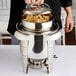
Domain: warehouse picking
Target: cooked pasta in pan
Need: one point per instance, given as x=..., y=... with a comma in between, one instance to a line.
x=40, y=18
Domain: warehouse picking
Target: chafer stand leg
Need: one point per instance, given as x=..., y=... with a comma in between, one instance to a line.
x=50, y=56
x=24, y=49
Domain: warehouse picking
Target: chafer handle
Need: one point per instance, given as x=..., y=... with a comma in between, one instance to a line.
x=44, y=5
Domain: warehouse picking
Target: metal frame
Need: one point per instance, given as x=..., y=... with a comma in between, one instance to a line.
x=63, y=17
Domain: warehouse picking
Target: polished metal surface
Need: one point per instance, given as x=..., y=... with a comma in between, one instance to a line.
x=37, y=48
x=45, y=26
x=45, y=9
x=38, y=26
x=27, y=31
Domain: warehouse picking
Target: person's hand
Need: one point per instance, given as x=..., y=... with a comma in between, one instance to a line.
x=27, y=1
x=35, y=2
x=69, y=19
x=69, y=23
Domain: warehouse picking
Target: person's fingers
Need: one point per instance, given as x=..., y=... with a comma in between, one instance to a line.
x=69, y=27
x=38, y=2
x=27, y=1
x=33, y=1
x=42, y=1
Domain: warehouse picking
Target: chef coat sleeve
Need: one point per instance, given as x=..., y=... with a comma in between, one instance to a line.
x=66, y=3
x=15, y=14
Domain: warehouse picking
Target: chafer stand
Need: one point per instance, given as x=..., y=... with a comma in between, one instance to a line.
x=34, y=59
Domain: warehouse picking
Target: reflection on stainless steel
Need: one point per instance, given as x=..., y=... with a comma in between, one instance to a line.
x=38, y=19
x=27, y=31
x=37, y=48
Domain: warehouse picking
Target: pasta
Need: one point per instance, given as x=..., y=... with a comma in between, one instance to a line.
x=40, y=18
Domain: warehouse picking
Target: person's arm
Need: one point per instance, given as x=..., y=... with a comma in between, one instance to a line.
x=15, y=15
x=66, y=4
x=69, y=19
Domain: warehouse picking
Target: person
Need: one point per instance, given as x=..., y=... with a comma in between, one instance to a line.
x=18, y=5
